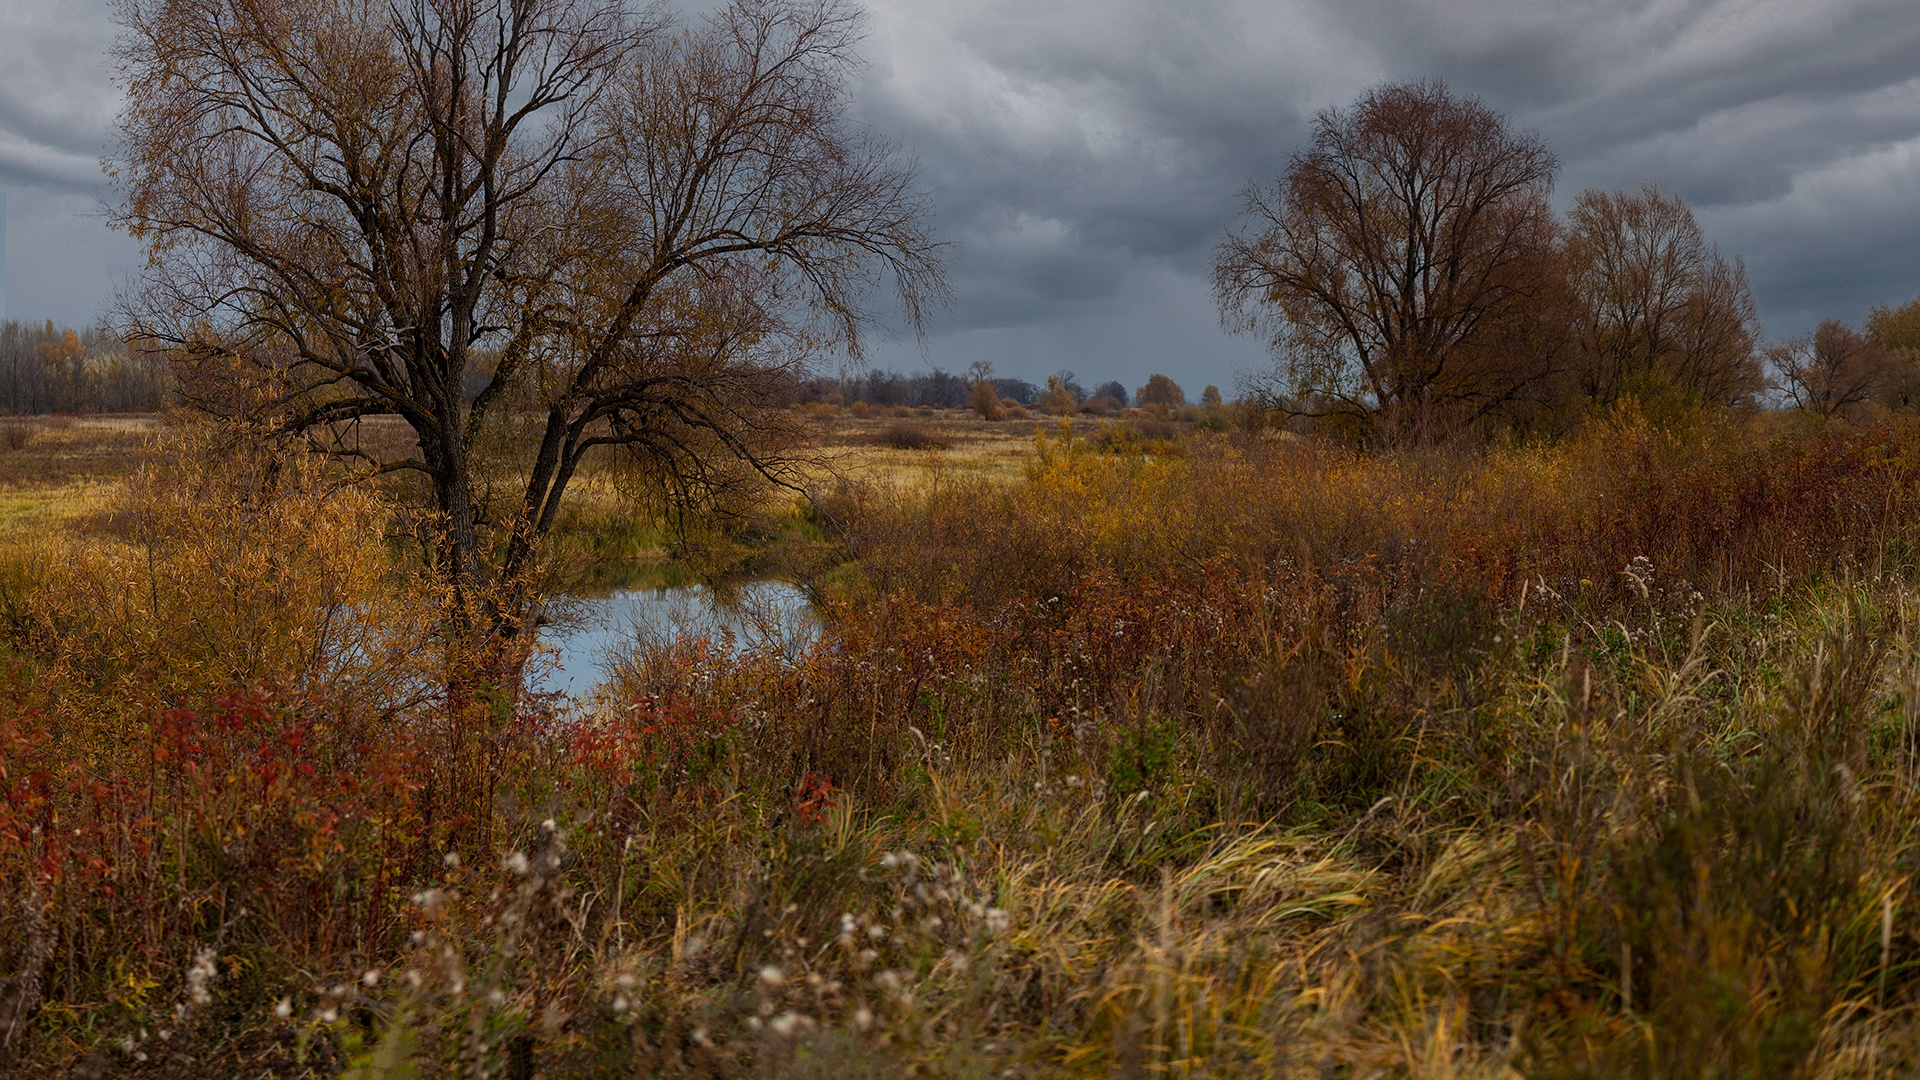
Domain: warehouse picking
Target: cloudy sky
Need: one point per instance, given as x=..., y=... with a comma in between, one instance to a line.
x=1085, y=154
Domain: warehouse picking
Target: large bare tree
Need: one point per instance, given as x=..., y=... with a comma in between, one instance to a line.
x=1405, y=235
x=1653, y=299
x=557, y=228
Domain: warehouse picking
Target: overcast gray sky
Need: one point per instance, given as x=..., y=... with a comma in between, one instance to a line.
x=1085, y=154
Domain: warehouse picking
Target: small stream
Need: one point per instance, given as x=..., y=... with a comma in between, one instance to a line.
x=756, y=614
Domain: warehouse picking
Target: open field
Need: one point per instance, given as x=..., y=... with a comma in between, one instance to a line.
x=1244, y=756
x=65, y=469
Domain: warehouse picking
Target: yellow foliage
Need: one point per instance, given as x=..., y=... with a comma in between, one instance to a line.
x=223, y=568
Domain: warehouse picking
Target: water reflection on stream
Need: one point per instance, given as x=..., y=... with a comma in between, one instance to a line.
x=756, y=613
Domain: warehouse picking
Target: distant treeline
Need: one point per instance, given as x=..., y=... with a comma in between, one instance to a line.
x=45, y=368
x=940, y=389
x=943, y=390
x=50, y=369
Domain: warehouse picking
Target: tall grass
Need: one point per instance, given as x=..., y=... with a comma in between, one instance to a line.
x=1261, y=758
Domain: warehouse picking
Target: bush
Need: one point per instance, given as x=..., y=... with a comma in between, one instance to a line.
x=16, y=434
x=912, y=436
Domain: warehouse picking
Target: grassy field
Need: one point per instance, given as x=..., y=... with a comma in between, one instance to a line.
x=66, y=474
x=56, y=473
x=1130, y=749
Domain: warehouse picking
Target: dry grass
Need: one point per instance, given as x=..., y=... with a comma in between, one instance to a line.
x=856, y=449
x=1257, y=758
x=67, y=475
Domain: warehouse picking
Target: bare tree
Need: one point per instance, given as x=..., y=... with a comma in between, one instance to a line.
x=1414, y=226
x=1832, y=369
x=1653, y=299
x=557, y=228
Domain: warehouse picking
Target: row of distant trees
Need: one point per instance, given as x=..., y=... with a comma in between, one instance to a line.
x=1063, y=392
x=1831, y=370
x=1409, y=273
x=49, y=369
x=46, y=368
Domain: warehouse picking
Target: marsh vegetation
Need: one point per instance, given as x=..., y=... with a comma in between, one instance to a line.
x=1261, y=755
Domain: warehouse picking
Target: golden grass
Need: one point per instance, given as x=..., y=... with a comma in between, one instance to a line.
x=68, y=474
x=981, y=449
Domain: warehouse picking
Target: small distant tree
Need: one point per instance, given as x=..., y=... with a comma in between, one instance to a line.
x=982, y=396
x=1410, y=231
x=1897, y=330
x=1071, y=383
x=1895, y=327
x=1832, y=369
x=1653, y=300
x=1113, y=390
x=1210, y=396
x=1161, y=392
x=1062, y=394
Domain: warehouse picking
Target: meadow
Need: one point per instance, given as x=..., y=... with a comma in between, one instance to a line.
x=1131, y=747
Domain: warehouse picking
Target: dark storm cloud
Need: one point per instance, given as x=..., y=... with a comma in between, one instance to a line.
x=1086, y=154
x=1112, y=137
x=57, y=103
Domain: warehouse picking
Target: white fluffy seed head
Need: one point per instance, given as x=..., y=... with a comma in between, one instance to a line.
x=787, y=1023
x=199, y=975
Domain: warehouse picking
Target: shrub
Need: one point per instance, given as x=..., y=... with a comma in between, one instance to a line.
x=232, y=567
x=912, y=436
x=16, y=433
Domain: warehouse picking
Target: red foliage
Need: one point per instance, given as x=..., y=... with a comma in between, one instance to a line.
x=245, y=809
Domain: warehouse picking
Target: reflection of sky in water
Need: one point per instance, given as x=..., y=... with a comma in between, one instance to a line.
x=575, y=654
